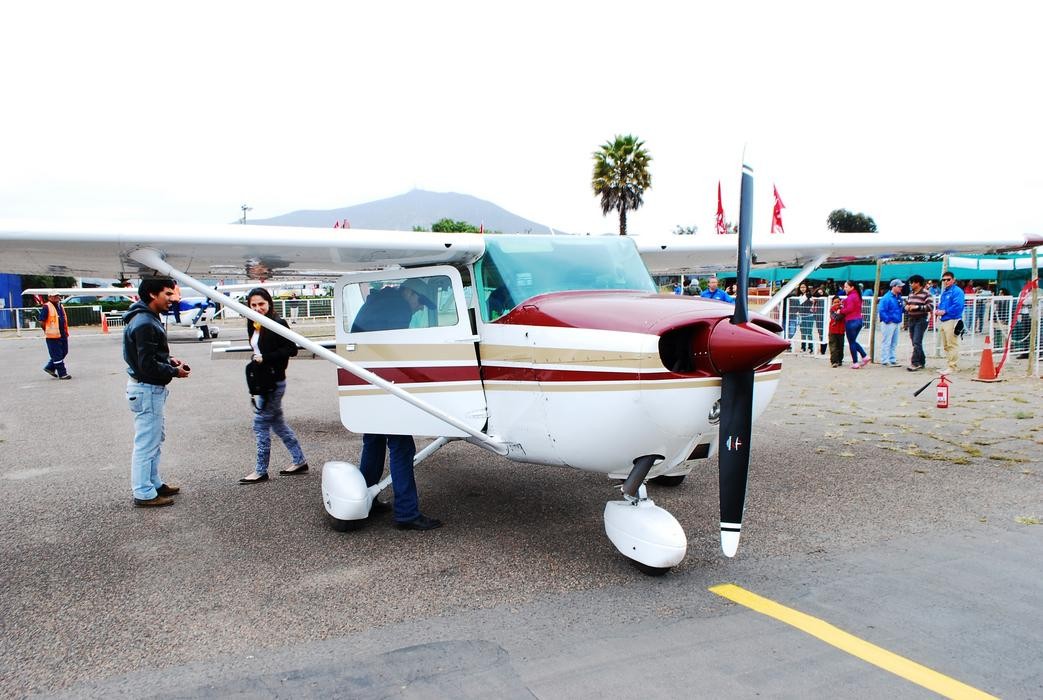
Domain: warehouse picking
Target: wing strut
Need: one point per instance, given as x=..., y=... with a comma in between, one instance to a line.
x=153, y=259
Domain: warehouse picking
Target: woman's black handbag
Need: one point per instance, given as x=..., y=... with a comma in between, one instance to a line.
x=260, y=378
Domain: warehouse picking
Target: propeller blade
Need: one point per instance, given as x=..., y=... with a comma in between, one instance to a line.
x=737, y=390
x=734, y=453
x=742, y=273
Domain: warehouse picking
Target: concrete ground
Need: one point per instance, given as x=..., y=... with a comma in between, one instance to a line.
x=914, y=528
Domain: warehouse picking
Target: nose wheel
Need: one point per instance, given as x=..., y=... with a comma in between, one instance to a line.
x=644, y=533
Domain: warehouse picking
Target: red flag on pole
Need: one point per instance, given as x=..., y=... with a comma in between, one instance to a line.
x=721, y=228
x=336, y=225
x=481, y=227
x=776, y=215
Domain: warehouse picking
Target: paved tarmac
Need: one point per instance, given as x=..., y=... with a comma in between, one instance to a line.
x=907, y=526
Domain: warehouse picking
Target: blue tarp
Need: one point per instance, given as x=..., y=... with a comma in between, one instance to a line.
x=10, y=298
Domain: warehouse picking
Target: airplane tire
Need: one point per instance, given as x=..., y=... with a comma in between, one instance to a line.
x=345, y=525
x=670, y=481
x=651, y=570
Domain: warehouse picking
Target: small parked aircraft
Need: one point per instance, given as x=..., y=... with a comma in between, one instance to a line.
x=552, y=350
x=195, y=312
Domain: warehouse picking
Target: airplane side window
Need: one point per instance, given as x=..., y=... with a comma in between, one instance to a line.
x=395, y=304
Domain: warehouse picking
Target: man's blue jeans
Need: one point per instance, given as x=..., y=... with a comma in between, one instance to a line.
x=889, y=342
x=146, y=402
x=402, y=449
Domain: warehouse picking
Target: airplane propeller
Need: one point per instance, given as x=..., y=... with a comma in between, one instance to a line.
x=737, y=390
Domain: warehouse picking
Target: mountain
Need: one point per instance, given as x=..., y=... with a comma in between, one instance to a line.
x=414, y=208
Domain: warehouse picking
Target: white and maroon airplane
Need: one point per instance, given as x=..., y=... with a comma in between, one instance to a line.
x=553, y=350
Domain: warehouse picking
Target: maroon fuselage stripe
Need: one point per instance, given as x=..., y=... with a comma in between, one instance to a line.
x=413, y=375
x=426, y=375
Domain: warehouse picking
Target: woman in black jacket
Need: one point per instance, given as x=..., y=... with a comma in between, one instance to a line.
x=271, y=354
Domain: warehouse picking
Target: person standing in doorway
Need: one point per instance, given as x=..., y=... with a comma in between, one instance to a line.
x=56, y=334
x=392, y=308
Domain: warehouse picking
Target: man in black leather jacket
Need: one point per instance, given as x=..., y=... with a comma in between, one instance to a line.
x=151, y=368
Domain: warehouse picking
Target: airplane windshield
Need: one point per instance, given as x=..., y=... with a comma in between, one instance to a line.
x=516, y=268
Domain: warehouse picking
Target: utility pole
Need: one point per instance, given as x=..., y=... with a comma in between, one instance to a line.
x=245, y=209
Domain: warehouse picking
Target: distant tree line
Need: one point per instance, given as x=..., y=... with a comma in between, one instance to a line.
x=447, y=225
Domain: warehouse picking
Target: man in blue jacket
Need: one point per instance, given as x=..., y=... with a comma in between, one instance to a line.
x=890, y=313
x=714, y=292
x=949, y=313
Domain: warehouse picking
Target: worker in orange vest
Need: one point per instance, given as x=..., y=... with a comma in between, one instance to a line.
x=56, y=333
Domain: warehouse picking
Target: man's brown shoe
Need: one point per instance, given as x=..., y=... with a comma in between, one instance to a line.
x=168, y=490
x=153, y=502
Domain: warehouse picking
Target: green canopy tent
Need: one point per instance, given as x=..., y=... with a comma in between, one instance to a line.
x=1010, y=272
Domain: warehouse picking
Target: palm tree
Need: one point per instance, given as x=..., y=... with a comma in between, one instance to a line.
x=621, y=176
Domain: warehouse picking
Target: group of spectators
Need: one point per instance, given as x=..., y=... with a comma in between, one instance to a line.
x=805, y=311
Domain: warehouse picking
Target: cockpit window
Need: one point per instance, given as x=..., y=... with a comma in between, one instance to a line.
x=516, y=268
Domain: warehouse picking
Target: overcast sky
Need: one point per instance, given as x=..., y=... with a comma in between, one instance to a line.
x=916, y=113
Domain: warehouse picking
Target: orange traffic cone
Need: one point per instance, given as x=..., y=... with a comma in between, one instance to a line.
x=986, y=370
x=104, y=323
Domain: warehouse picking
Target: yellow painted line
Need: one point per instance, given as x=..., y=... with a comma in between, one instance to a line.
x=898, y=665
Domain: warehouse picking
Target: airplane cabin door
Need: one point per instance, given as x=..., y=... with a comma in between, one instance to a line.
x=410, y=327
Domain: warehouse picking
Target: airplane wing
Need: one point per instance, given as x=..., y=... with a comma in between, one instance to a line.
x=85, y=249
x=88, y=249
x=704, y=254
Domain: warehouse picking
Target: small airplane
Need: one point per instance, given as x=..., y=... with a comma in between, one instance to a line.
x=197, y=312
x=551, y=350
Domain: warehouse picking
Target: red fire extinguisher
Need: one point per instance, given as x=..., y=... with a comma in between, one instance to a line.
x=943, y=392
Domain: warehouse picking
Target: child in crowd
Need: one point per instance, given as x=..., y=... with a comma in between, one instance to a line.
x=836, y=333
